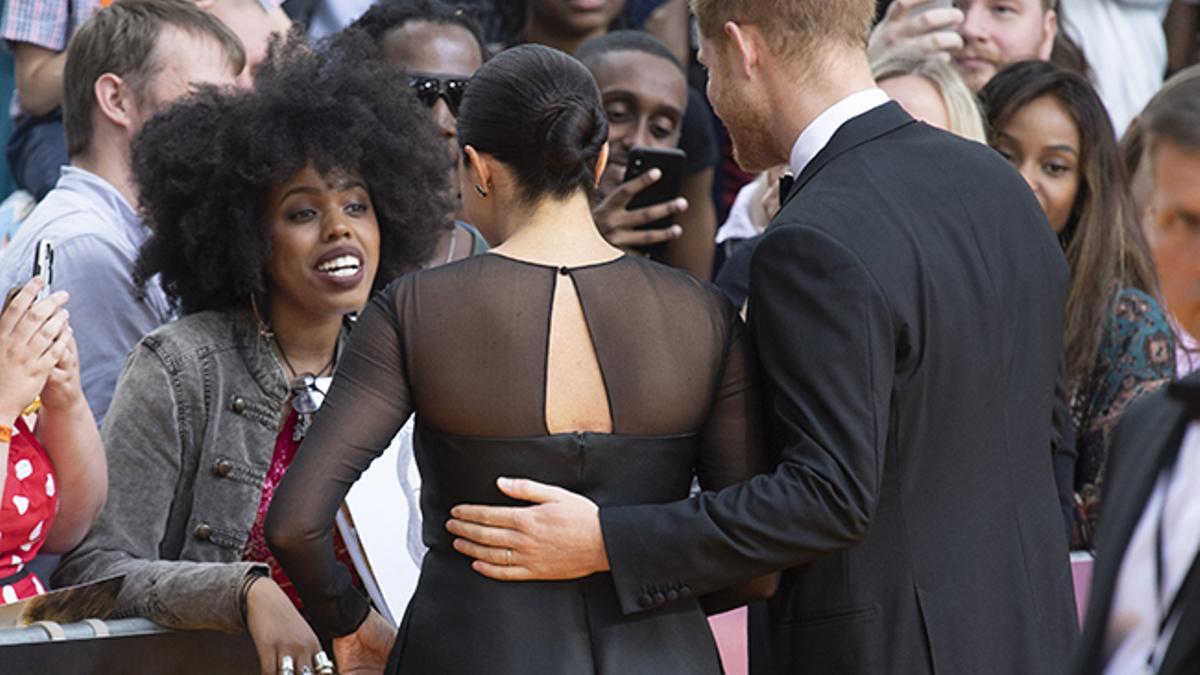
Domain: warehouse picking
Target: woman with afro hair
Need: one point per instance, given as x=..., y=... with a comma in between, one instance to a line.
x=275, y=215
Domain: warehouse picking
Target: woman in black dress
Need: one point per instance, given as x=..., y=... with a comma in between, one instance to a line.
x=555, y=357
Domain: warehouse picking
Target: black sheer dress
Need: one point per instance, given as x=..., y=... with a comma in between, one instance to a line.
x=466, y=348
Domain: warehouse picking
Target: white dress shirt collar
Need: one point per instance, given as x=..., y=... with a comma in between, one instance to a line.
x=817, y=135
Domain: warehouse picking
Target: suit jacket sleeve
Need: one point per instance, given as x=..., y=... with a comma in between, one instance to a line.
x=826, y=340
x=1062, y=447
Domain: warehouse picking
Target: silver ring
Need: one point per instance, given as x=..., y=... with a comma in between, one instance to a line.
x=322, y=663
x=508, y=556
x=305, y=670
x=287, y=665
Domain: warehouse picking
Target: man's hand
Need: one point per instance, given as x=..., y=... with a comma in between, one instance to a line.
x=618, y=225
x=909, y=25
x=557, y=538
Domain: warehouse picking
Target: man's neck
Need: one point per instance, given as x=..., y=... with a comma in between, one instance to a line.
x=836, y=81
x=111, y=164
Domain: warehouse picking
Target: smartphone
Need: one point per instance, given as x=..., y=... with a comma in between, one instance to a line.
x=931, y=5
x=670, y=161
x=43, y=265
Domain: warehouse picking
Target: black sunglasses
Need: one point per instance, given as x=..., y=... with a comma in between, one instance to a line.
x=429, y=88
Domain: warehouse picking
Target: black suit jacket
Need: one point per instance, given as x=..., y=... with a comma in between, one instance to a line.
x=1147, y=439
x=907, y=305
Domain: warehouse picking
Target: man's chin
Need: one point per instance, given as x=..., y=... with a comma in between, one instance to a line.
x=752, y=159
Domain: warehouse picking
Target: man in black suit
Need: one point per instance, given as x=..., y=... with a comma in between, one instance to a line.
x=907, y=305
x=1144, y=609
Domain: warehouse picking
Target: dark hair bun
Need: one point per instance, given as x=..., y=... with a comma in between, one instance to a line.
x=538, y=111
x=573, y=136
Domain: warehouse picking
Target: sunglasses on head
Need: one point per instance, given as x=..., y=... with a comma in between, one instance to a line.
x=429, y=88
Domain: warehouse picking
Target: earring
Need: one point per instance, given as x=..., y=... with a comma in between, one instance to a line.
x=481, y=191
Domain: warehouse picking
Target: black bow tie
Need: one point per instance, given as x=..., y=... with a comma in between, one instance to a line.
x=1187, y=391
x=785, y=186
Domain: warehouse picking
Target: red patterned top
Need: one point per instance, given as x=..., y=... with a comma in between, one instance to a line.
x=30, y=502
x=256, y=546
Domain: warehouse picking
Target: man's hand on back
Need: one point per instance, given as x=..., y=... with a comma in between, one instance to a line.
x=557, y=538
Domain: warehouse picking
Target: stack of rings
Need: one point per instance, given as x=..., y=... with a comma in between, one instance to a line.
x=321, y=661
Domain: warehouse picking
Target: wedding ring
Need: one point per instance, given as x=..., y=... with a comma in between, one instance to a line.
x=287, y=665
x=322, y=663
x=508, y=557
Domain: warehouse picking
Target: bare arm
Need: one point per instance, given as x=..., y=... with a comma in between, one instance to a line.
x=39, y=74
x=30, y=345
x=68, y=431
x=693, y=250
x=671, y=23
x=1180, y=28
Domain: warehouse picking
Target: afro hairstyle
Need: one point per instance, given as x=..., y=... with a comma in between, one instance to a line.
x=206, y=165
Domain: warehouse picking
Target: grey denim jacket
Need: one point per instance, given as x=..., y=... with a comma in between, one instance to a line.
x=190, y=437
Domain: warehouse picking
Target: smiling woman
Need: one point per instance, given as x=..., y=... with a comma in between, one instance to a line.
x=275, y=214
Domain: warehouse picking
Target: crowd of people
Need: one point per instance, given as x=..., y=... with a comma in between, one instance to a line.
x=915, y=324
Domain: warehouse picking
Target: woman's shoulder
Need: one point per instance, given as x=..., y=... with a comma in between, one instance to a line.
x=200, y=332
x=686, y=287
x=1134, y=307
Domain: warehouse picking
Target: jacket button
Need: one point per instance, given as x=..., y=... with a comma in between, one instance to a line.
x=203, y=532
x=684, y=591
x=238, y=405
x=672, y=595
x=659, y=599
x=222, y=467
x=645, y=600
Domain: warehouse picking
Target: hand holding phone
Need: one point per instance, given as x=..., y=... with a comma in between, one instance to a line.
x=924, y=26
x=637, y=215
x=34, y=338
x=43, y=265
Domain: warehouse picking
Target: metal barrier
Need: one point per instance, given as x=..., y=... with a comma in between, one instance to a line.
x=123, y=647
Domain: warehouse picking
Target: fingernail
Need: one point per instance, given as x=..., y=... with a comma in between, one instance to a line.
x=681, y=204
x=655, y=173
x=503, y=483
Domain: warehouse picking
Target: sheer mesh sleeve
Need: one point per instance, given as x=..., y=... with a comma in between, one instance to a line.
x=731, y=445
x=367, y=404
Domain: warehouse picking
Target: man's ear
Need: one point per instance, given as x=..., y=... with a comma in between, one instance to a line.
x=114, y=100
x=746, y=42
x=1049, y=32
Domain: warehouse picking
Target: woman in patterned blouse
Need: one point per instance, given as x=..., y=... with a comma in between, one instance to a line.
x=1053, y=127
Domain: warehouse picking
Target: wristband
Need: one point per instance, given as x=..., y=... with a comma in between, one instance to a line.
x=33, y=407
x=6, y=433
x=244, y=592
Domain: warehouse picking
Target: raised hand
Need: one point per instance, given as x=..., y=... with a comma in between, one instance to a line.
x=34, y=336
x=618, y=225
x=911, y=25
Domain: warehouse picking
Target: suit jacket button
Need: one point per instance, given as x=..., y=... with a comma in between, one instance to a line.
x=684, y=591
x=645, y=600
x=659, y=599
x=222, y=467
x=203, y=532
x=672, y=595
x=238, y=405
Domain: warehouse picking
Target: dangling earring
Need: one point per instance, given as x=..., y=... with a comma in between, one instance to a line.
x=263, y=329
x=481, y=191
